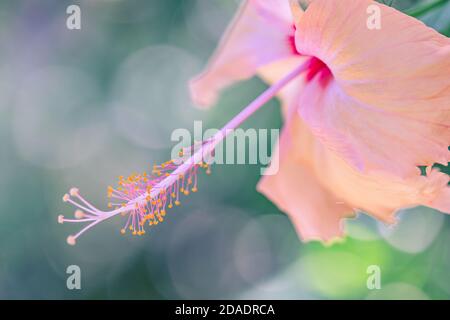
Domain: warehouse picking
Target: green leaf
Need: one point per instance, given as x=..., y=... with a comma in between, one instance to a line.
x=423, y=9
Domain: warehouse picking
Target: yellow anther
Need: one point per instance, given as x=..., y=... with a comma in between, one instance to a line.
x=170, y=206
x=109, y=205
x=186, y=192
x=163, y=212
x=194, y=189
x=122, y=231
x=177, y=203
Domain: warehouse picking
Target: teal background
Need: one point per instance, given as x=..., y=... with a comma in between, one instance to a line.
x=79, y=108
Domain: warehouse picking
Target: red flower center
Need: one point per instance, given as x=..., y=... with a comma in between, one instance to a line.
x=316, y=68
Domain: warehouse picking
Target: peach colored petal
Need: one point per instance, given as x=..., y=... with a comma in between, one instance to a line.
x=317, y=189
x=379, y=194
x=315, y=212
x=382, y=196
x=259, y=35
x=442, y=201
x=369, y=138
x=388, y=106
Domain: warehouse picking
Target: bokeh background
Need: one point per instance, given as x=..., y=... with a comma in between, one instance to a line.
x=80, y=107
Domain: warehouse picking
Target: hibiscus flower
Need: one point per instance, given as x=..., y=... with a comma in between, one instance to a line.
x=364, y=108
x=369, y=107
